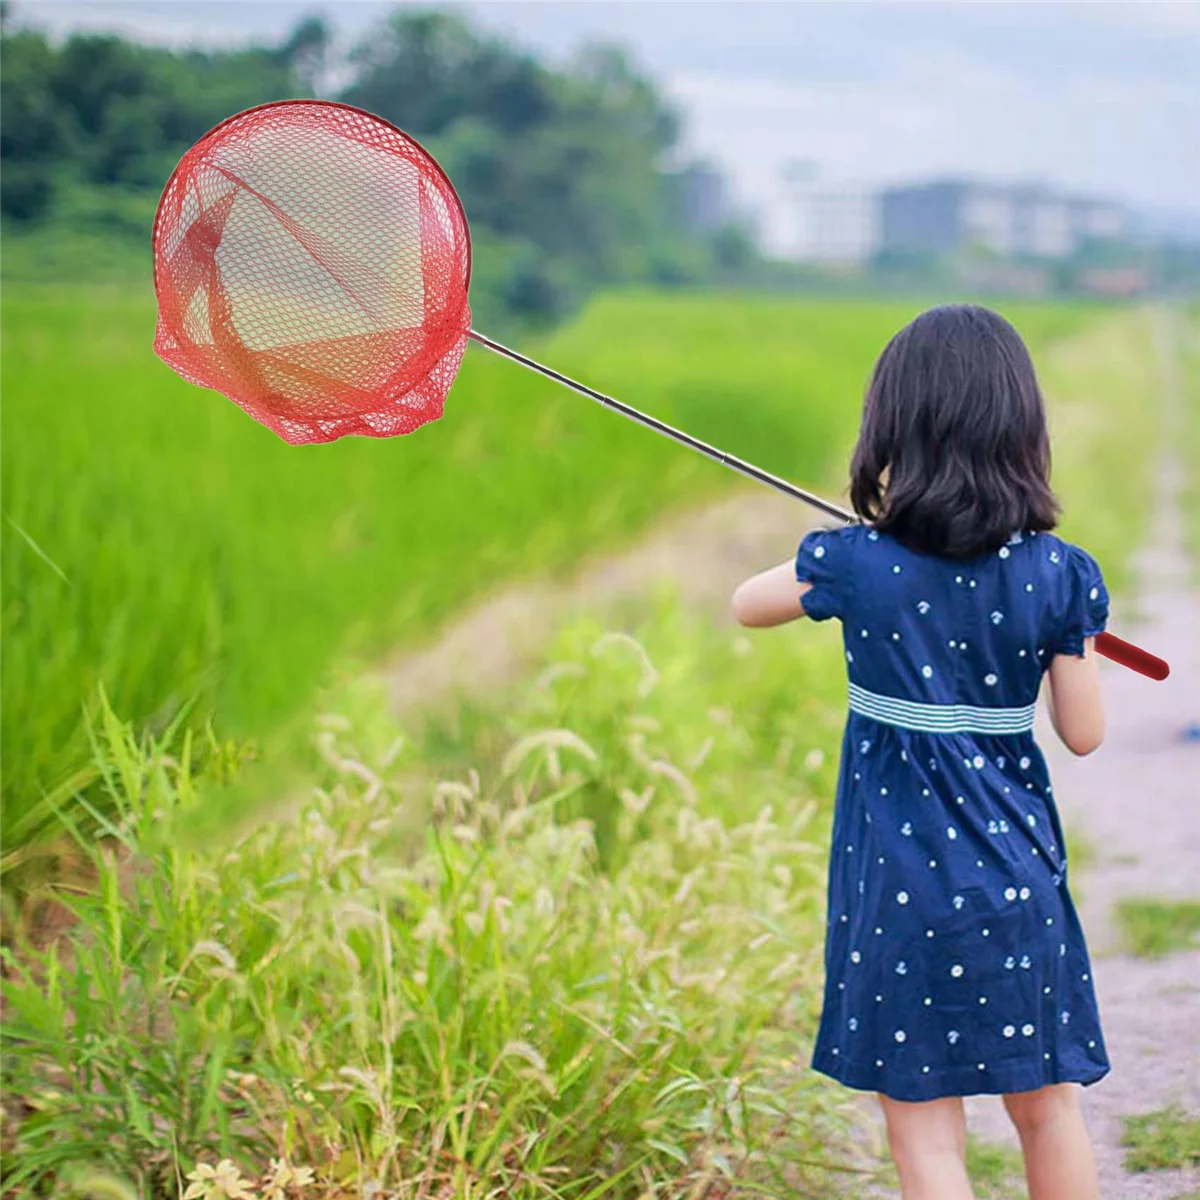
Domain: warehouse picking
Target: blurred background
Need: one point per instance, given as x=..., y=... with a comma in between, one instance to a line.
x=718, y=213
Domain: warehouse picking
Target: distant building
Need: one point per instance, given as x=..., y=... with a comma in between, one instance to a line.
x=1026, y=220
x=703, y=198
x=826, y=221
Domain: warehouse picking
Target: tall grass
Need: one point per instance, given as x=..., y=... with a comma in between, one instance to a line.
x=158, y=542
x=588, y=966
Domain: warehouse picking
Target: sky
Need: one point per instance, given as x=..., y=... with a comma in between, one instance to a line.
x=1098, y=98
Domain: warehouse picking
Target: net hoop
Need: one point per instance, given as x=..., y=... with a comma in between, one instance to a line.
x=442, y=336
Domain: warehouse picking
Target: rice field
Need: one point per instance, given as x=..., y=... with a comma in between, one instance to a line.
x=159, y=543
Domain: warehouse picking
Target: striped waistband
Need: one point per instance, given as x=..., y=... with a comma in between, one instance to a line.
x=940, y=718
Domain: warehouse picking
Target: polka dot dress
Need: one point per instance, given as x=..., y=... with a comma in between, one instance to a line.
x=955, y=962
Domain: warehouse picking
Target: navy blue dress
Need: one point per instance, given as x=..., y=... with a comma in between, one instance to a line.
x=954, y=959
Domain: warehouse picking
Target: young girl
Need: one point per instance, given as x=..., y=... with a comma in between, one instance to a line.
x=955, y=962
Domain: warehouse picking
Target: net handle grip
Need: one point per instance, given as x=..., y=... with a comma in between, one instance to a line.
x=1107, y=644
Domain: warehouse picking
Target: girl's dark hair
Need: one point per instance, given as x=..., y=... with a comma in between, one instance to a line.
x=955, y=420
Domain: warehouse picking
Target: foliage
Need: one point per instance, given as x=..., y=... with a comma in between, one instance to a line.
x=588, y=963
x=561, y=171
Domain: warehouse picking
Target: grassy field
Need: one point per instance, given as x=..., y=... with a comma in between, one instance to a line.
x=587, y=964
x=157, y=541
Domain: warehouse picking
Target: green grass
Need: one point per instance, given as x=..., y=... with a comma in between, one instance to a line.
x=156, y=540
x=997, y=1172
x=592, y=957
x=1155, y=928
x=1161, y=1140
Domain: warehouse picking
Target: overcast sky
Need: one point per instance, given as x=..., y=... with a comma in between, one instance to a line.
x=1099, y=98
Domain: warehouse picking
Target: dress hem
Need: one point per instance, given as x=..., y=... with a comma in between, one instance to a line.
x=1002, y=1080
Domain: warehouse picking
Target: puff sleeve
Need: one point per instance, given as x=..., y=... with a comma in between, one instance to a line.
x=823, y=561
x=1084, y=606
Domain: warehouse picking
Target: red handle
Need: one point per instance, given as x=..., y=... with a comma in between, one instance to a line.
x=1129, y=655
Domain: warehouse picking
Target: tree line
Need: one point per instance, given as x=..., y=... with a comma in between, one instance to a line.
x=561, y=171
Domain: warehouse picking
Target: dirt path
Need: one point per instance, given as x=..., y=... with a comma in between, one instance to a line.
x=702, y=554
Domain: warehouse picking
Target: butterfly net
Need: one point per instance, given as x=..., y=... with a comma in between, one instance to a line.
x=311, y=262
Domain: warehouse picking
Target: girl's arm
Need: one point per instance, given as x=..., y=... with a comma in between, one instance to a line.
x=1075, y=701
x=770, y=598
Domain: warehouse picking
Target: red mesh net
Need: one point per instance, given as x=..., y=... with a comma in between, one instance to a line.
x=311, y=263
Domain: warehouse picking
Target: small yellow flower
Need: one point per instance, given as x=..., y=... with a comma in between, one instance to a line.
x=213, y=1183
x=283, y=1177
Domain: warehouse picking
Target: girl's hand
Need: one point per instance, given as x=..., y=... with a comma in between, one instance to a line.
x=770, y=598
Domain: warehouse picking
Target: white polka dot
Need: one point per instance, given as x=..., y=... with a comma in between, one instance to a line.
x=878, y=930
x=982, y=999
x=1027, y=1030
x=924, y=1070
x=928, y=1001
x=864, y=633
x=958, y=579
x=1004, y=552
x=959, y=800
x=972, y=583
x=1085, y=978
x=900, y=1035
x=1054, y=556
x=923, y=607
x=878, y=999
x=1046, y=990
x=895, y=570
x=855, y=956
x=986, y=932
x=929, y=933
x=895, y=637
x=819, y=552
x=883, y=791
x=990, y=680
x=1024, y=893
x=952, y=1036
x=956, y=970
x=902, y=897
x=1010, y=893
x=849, y=656
x=933, y=862
x=1020, y=653
x=979, y=762
x=1009, y=1030
x=997, y=617
x=902, y=967
x=1029, y=587
x=952, y=643
x=981, y=1067
x=927, y=671
x=951, y=832
x=1091, y=1045
x=836, y=1051
x=852, y=1024
x=1024, y=764
x=872, y=536
x=1094, y=593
